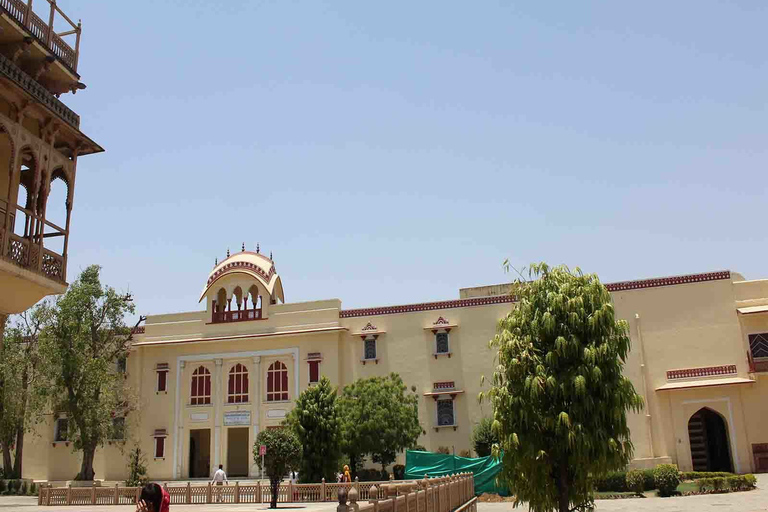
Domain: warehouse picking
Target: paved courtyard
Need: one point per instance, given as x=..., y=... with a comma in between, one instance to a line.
x=751, y=501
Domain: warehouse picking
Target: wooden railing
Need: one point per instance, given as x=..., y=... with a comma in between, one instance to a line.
x=22, y=12
x=26, y=248
x=236, y=316
x=443, y=494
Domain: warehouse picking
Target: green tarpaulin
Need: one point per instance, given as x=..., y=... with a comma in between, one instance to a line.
x=421, y=464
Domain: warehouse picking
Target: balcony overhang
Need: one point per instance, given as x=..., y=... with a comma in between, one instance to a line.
x=25, y=286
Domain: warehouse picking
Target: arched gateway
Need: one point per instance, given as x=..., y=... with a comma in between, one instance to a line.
x=708, y=435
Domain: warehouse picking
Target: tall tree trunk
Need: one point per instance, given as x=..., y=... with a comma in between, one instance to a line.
x=17, y=469
x=86, y=468
x=562, y=488
x=7, y=463
x=274, y=483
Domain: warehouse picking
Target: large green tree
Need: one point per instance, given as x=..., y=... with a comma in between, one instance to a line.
x=380, y=418
x=284, y=453
x=82, y=345
x=21, y=400
x=315, y=420
x=559, y=397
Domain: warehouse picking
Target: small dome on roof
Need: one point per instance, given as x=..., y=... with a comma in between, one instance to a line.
x=252, y=263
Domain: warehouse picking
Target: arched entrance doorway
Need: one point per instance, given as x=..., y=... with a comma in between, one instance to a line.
x=708, y=434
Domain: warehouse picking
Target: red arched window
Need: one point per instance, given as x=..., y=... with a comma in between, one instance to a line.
x=277, y=382
x=201, y=386
x=237, y=390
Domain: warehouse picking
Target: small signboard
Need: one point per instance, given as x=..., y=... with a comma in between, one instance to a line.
x=262, y=450
x=237, y=418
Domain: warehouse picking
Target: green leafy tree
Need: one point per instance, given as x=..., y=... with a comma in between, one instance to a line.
x=380, y=418
x=137, y=469
x=283, y=455
x=484, y=437
x=558, y=393
x=21, y=399
x=81, y=344
x=315, y=421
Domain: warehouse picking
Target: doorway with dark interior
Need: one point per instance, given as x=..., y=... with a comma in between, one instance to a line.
x=708, y=435
x=200, y=453
x=238, y=453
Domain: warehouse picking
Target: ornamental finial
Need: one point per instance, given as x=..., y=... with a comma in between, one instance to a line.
x=216, y=262
x=270, y=254
x=227, y=252
x=243, y=246
x=257, y=248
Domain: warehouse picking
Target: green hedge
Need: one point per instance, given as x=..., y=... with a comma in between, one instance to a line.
x=667, y=478
x=616, y=481
x=696, y=475
x=727, y=483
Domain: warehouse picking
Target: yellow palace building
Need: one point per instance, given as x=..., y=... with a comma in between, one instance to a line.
x=209, y=380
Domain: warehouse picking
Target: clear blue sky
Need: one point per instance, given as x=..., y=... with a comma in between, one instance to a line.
x=393, y=152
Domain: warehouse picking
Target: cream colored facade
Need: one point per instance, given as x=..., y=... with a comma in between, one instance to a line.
x=690, y=351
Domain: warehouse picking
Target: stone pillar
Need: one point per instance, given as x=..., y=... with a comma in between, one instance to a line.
x=218, y=419
x=255, y=409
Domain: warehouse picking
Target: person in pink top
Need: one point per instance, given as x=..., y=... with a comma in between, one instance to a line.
x=153, y=498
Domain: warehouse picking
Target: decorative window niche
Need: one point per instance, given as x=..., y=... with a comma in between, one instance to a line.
x=118, y=429
x=369, y=349
x=445, y=413
x=442, y=344
x=313, y=365
x=60, y=432
x=758, y=351
x=159, y=437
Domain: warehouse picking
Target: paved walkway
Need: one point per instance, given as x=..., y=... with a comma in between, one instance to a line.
x=751, y=501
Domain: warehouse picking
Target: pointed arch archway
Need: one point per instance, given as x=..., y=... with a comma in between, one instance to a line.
x=708, y=437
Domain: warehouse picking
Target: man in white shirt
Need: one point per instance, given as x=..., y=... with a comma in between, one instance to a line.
x=219, y=477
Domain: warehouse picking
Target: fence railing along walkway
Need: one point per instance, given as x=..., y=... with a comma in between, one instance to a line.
x=443, y=494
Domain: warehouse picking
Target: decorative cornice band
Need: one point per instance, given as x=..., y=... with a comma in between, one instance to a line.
x=668, y=281
x=501, y=299
x=706, y=371
x=427, y=306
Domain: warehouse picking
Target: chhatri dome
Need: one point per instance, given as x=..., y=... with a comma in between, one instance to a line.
x=241, y=287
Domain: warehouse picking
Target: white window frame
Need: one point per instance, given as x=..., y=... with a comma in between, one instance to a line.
x=166, y=371
x=448, y=339
x=371, y=337
x=154, y=447
x=437, y=412
x=310, y=362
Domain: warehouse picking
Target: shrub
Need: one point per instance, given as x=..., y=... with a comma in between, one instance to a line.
x=372, y=475
x=484, y=437
x=23, y=488
x=444, y=450
x=32, y=489
x=727, y=483
x=696, y=475
x=399, y=471
x=667, y=478
x=465, y=453
x=13, y=487
x=2, y=486
x=419, y=448
x=615, y=481
x=636, y=481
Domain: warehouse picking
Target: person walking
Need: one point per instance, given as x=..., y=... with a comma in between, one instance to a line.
x=219, y=477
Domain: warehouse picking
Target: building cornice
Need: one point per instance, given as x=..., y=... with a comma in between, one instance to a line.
x=234, y=337
x=502, y=299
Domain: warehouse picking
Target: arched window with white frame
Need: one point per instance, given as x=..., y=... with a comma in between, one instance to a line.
x=201, y=386
x=237, y=388
x=277, y=382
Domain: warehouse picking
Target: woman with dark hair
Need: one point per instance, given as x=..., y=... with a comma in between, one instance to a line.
x=153, y=499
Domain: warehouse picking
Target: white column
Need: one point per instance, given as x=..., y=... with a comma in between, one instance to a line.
x=217, y=414
x=178, y=451
x=255, y=410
